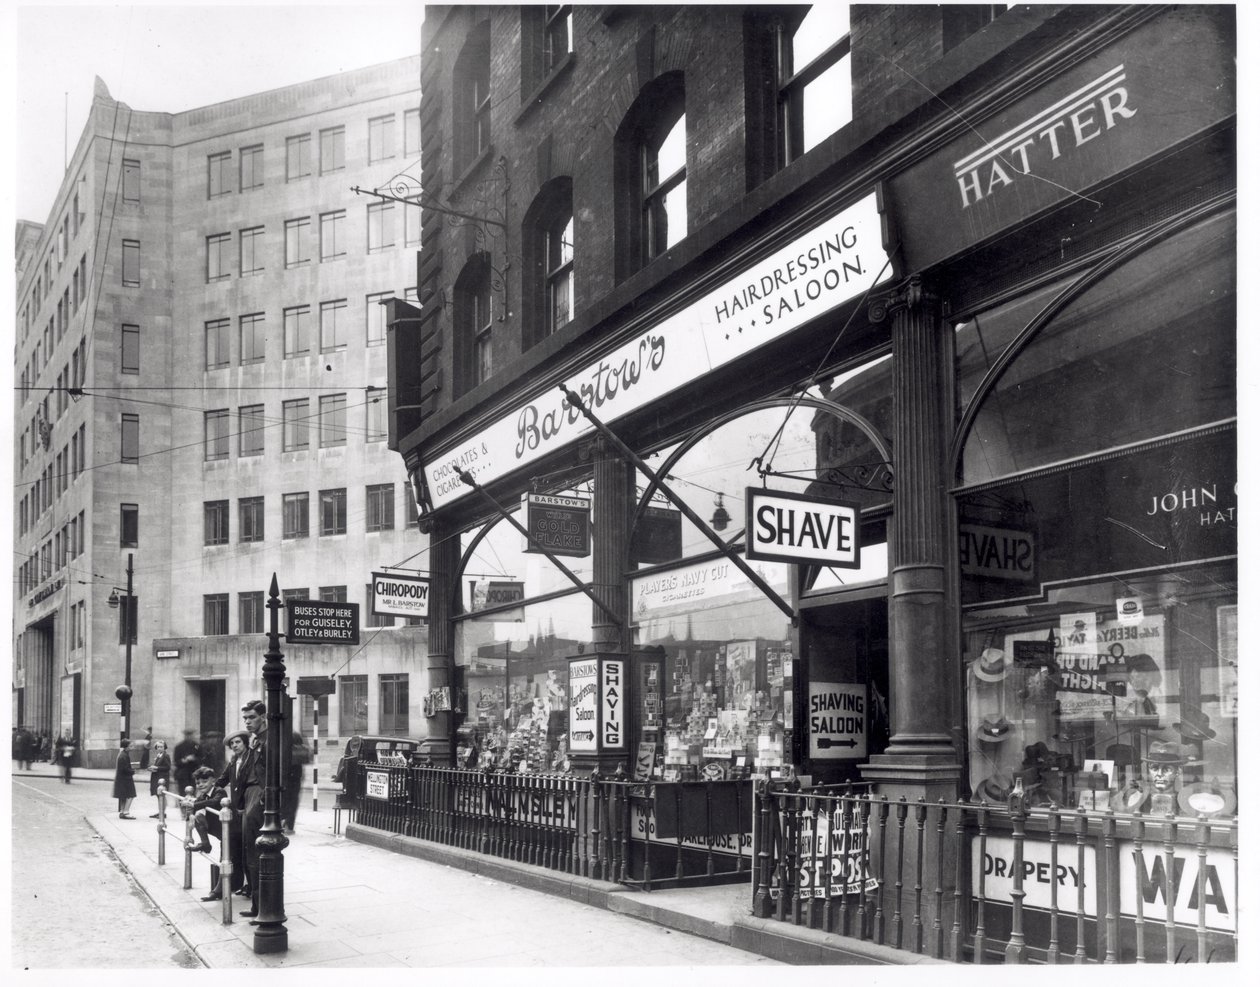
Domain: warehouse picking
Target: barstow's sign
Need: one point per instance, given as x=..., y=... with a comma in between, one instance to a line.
x=830, y=264
x=400, y=596
x=316, y=622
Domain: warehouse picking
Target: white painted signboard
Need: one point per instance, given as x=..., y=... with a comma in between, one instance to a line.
x=837, y=720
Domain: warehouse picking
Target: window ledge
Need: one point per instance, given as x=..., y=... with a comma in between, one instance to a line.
x=536, y=97
x=472, y=169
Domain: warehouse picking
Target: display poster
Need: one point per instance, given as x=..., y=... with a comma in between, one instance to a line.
x=837, y=720
x=833, y=852
x=741, y=673
x=643, y=761
x=583, y=704
x=612, y=691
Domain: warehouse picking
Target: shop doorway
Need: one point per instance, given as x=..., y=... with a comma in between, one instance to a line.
x=841, y=711
x=212, y=707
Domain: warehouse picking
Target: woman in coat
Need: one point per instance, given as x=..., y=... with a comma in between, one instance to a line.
x=159, y=770
x=124, y=785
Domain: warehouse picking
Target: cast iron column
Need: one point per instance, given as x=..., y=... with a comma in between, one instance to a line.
x=271, y=936
x=920, y=759
x=610, y=553
x=444, y=555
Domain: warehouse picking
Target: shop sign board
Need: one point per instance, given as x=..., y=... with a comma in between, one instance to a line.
x=697, y=585
x=997, y=867
x=535, y=806
x=612, y=694
x=559, y=525
x=657, y=536
x=399, y=596
x=583, y=705
x=997, y=553
x=376, y=785
x=643, y=826
x=835, y=261
x=317, y=622
x=837, y=720
x=792, y=527
x=1131, y=101
x=501, y=593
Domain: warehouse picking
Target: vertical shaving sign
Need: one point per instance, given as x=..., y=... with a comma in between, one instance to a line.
x=612, y=692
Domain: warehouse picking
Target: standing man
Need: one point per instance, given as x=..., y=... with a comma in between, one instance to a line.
x=252, y=774
x=187, y=758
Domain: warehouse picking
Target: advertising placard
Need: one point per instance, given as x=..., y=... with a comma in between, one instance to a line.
x=612, y=690
x=837, y=720
x=583, y=704
x=559, y=525
x=844, y=852
x=399, y=596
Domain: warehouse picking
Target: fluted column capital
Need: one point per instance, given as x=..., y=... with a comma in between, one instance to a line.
x=912, y=295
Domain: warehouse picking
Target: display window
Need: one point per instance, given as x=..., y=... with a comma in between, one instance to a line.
x=1098, y=562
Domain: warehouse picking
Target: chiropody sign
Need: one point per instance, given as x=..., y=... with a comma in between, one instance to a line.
x=835, y=261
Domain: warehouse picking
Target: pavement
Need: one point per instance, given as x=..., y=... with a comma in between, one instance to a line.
x=357, y=898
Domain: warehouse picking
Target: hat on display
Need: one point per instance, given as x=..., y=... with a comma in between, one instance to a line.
x=993, y=731
x=992, y=664
x=1194, y=724
x=1208, y=799
x=993, y=789
x=1164, y=752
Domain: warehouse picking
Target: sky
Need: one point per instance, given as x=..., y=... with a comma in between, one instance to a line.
x=170, y=57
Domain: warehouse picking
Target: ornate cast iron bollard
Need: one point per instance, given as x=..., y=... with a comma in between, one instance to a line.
x=271, y=936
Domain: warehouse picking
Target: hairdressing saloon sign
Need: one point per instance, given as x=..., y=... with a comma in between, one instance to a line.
x=831, y=263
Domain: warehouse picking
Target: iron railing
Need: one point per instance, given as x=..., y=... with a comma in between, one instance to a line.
x=983, y=883
x=612, y=829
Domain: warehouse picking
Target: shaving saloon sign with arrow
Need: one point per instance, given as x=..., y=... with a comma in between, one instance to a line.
x=837, y=721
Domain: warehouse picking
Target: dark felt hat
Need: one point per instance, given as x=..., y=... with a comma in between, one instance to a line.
x=993, y=731
x=1163, y=752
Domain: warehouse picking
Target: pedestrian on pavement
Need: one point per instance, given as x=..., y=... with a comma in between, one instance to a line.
x=66, y=750
x=237, y=743
x=252, y=774
x=124, y=784
x=206, y=796
x=24, y=744
x=145, y=744
x=291, y=796
x=187, y=759
x=159, y=771
x=211, y=751
x=45, y=746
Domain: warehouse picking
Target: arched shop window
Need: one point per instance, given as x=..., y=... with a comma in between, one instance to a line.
x=523, y=621
x=721, y=650
x=1098, y=532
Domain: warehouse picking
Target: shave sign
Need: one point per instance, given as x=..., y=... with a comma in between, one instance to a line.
x=792, y=527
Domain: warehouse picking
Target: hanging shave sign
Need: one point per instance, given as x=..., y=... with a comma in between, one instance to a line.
x=830, y=264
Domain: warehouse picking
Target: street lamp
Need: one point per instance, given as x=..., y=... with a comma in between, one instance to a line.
x=123, y=692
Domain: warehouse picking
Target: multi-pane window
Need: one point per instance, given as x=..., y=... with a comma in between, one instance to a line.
x=380, y=220
x=411, y=133
x=332, y=420
x=251, y=519
x=380, y=138
x=215, y=614
x=376, y=312
x=558, y=34
x=411, y=224
x=297, y=330
x=377, y=407
x=297, y=157
x=130, y=350
x=131, y=180
x=216, y=518
x=558, y=250
x=332, y=325
x=395, y=704
x=251, y=611
x=380, y=507
x=252, y=250
x=474, y=323
x=297, y=241
x=128, y=525
x=332, y=594
x=353, y=703
x=252, y=428
x=332, y=511
x=296, y=419
x=296, y=515
x=374, y=619
x=220, y=169
x=131, y=263
x=332, y=235
x=217, y=429
x=251, y=167
x=664, y=184
x=332, y=149
x=815, y=80
x=218, y=343
x=289, y=596
x=253, y=338
x=218, y=256
x=130, y=438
